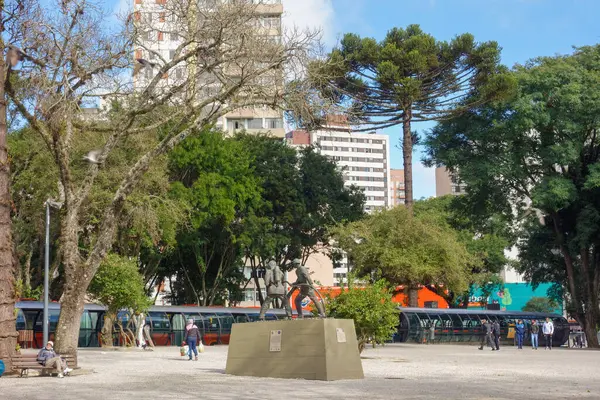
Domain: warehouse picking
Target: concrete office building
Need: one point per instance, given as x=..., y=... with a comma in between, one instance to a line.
x=364, y=160
x=363, y=157
x=397, y=186
x=447, y=183
x=160, y=36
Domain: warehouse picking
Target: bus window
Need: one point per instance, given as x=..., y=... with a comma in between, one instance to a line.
x=240, y=318
x=160, y=322
x=21, y=323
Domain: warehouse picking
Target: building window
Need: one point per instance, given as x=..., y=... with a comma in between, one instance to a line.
x=274, y=123
x=234, y=124
x=248, y=294
x=255, y=123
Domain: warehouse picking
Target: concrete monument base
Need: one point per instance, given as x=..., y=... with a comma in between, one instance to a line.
x=317, y=349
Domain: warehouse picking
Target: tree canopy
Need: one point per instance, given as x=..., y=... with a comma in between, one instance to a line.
x=303, y=195
x=536, y=159
x=484, y=238
x=408, y=77
x=406, y=250
x=540, y=304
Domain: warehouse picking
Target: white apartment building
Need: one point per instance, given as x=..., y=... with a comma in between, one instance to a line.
x=160, y=39
x=364, y=160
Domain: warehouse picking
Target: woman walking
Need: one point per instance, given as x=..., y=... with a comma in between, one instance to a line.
x=192, y=338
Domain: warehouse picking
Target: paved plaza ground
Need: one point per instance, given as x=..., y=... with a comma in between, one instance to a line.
x=399, y=371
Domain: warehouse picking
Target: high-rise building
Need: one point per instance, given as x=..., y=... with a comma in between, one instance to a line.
x=397, y=186
x=447, y=183
x=363, y=158
x=364, y=161
x=160, y=39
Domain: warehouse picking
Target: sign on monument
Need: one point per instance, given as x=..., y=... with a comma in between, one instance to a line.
x=275, y=341
x=341, y=335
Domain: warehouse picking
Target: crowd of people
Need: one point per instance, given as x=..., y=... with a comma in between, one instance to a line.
x=491, y=334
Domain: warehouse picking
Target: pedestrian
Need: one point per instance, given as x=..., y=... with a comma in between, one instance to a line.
x=192, y=338
x=486, y=337
x=520, y=332
x=496, y=332
x=535, y=329
x=548, y=331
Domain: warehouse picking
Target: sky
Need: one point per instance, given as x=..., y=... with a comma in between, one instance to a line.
x=524, y=29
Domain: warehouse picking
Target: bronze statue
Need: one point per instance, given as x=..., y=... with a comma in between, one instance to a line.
x=305, y=284
x=275, y=290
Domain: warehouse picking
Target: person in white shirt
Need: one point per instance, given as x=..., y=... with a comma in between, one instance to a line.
x=548, y=330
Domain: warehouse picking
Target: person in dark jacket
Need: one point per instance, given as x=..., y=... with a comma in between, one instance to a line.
x=496, y=332
x=520, y=333
x=486, y=337
x=535, y=330
x=192, y=338
x=48, y=358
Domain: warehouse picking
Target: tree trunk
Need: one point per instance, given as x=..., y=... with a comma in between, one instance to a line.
x=107, y=329
x=590, y=323
x=69, y=321
x=407, y=149
x=413, y=297
x=261, y=299
x=27, y=269
x=411, y=292
x=8, y=333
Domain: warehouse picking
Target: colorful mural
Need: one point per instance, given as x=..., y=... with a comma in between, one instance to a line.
x=513, y=296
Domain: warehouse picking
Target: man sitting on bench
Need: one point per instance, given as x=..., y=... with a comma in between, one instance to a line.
x=48, y=358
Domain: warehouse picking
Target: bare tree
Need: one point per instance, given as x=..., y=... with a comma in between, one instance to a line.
x=10, y=11
x=222, y=61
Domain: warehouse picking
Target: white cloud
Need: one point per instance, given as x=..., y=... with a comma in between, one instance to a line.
x=311, y=14
x=123, y=6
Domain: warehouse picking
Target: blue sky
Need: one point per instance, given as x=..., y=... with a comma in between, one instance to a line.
x=523, y=28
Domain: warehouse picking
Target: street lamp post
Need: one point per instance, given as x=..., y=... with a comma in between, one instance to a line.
x=55, y=204
x=46, y=272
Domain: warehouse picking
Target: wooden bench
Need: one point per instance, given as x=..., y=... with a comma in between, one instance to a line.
x=25, y=362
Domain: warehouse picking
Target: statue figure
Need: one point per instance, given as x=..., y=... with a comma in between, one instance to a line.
x=275, y=290
x=305, y=284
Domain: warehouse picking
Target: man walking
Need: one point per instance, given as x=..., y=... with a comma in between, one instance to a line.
x=486, y=328
x=548, y=330
x=535, y=329
x=496, y=331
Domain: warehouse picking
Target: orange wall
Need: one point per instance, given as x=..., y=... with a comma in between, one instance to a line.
x=400, y=298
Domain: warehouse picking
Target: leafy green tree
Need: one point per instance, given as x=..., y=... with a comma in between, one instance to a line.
x=484, y=238
x=406, y=250
x=375, y=315
x=119, y=285
x=215, y=176
x=540, y=304
x=409, y=77
x=303, y=194
x=536, y=159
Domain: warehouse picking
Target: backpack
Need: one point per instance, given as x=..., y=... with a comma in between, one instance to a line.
x=2, y=367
